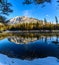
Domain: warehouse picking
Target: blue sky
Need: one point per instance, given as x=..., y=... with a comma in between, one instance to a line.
x=36, y=11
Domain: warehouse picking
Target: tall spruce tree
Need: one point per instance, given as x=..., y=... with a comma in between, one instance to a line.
x=56, y=19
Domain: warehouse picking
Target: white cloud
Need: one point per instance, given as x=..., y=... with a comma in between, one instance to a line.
x=47, y=15
x=27, y=13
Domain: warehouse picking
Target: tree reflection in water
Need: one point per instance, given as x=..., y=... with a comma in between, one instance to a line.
x=30, y=46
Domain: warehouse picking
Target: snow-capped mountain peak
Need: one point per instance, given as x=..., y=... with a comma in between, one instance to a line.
x=23, y=19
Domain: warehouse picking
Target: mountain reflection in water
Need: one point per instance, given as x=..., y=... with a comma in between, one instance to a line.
x=40, y=48
x=21, y=40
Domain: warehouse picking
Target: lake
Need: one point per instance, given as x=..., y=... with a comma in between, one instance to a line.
x=29, y=49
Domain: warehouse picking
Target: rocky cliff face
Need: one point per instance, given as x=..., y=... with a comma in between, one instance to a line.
x=23, y=19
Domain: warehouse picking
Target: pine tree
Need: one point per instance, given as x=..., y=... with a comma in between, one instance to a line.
x=2, y=19
x=45, y=21
x=5, y=7
x=36, y=1
x=56, y=19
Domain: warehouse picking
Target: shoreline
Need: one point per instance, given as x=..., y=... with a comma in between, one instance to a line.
x=33, y=31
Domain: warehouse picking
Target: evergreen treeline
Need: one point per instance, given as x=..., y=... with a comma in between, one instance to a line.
x=39, y=25
x=34, y=26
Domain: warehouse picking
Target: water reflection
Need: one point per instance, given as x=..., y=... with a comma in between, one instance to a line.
x=25, y=39
x=21, y=40
x=40, y=48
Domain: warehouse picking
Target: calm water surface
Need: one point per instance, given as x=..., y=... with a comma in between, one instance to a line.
x=35, y=51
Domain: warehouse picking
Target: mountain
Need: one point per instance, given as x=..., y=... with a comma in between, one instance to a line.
x=22, y=19
x=21, y=40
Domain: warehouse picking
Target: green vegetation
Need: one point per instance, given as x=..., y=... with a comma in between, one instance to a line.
x=5, y=7
x=39, y=2
x=39, y=25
